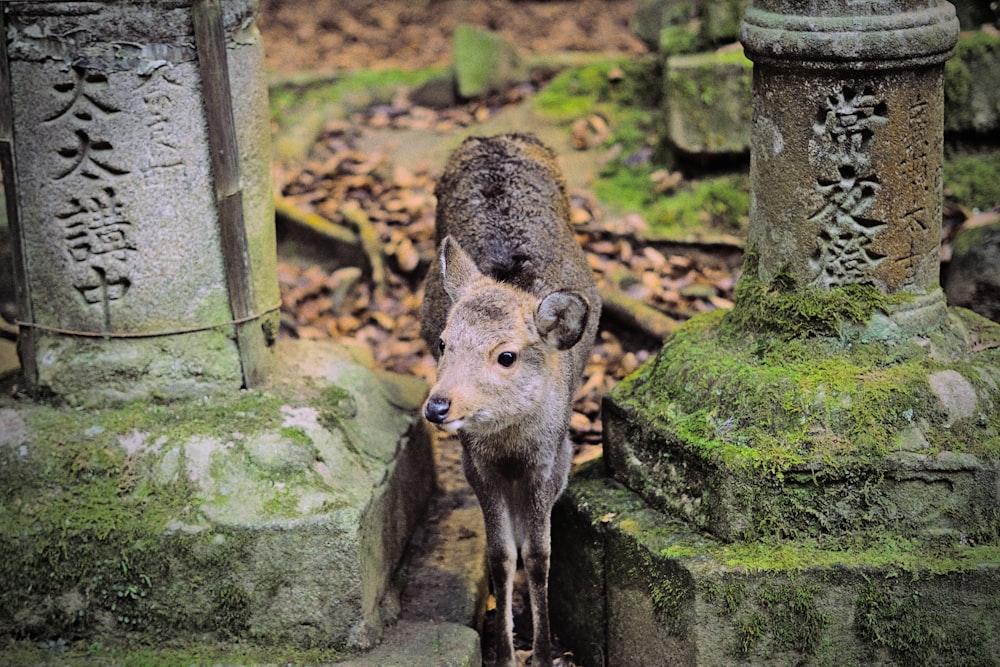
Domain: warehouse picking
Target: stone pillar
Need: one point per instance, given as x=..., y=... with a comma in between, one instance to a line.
x=847, y=141
x=123, y=185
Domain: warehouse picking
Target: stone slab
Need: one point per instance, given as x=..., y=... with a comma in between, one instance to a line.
x=485, y=62
x=424, y=644
x=974, y=271
x=707, y=103
x=273, y=516
x=672, y=596
x=971, y=98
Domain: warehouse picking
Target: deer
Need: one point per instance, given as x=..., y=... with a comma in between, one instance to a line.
x=510, y=312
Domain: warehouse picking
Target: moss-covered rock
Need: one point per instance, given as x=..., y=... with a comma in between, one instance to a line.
x=707, y=103
x=817, y=413
x=751, y=436
x=972, y=100
x=275, y=516
x=974, y=270
x=674, y=596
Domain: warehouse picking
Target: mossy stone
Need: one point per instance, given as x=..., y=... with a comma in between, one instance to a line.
x=271, y=517
x=675, y=596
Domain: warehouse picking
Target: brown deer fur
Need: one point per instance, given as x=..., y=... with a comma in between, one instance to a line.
x=511, y=311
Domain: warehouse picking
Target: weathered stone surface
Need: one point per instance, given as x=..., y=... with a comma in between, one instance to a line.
x=273, y=516
x=720, y=20
x=424, y=644
x=750, y=438
x=971, y=96
x=847, y=147
x=485, y=62
x=707, y=103
x=668, y=26
x=117, y=198
x=436, y=93
x=674, y=597
x=974, y=272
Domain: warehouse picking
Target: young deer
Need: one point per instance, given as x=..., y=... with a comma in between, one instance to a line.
x=510, y=311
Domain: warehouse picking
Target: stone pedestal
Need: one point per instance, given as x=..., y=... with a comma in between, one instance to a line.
x=273, y=517
x=811, y=477
x=117, y=210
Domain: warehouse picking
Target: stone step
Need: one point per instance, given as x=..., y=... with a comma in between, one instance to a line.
x=423, y=644
x=748, y=437
x=630, y=586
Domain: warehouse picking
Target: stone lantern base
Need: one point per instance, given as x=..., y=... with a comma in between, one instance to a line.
x=273, y=517
x=823, y=494
x=632, y=586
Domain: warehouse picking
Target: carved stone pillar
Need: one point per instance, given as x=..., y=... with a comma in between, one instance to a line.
x=122, y=183
x=847, y=141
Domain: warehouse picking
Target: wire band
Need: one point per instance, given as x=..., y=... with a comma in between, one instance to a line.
x=154, y=334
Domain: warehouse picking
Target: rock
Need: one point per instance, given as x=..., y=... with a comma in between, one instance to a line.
x=638, y=585
x=668, y=26
x=971, y=96
x=424, y=644
x=974, y=272
x=707, y=103
x=277, y=515
x=436, y=93
x=485, y=62
x=686, y=26
x=720, y=20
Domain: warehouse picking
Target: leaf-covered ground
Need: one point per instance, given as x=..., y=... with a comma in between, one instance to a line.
x=353, y=181
x=345, y=186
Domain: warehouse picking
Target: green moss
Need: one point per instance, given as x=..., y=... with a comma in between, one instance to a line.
x=79, y=513
x=173, y=655
x=335, y=404
x=971, y=180
x=976, y=44
x=667, y=584
x=293, y=99
x=803, y=439
x=975, y=56
x=787, y=311
x=919, y=631
x=581, y=91
x=791, y=620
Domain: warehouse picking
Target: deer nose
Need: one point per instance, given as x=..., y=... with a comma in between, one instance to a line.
x=436, y=409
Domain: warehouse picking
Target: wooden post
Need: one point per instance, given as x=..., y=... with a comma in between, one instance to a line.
x=210, y=42
x=26, y=336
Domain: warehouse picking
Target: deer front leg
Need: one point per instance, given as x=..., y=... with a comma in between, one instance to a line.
x=536, y=553
x=501, y=552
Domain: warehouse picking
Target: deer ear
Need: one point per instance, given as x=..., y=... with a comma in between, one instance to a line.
x=561, y=318
x=457, y=268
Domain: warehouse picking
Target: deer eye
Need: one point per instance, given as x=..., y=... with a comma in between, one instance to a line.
x=441, y=344
x=507, y=359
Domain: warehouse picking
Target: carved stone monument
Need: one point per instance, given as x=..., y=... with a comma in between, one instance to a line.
x=847, y=143
x=127, y=177
x=135, y=149
x=811, y=477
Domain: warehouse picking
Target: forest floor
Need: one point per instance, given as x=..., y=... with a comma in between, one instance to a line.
x=357, y=169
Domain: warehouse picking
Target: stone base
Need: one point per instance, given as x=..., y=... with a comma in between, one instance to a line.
x=630, y=586
x=273, y=516
x=754, y=437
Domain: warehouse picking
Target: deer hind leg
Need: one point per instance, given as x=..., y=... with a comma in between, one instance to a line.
x=536, y=553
